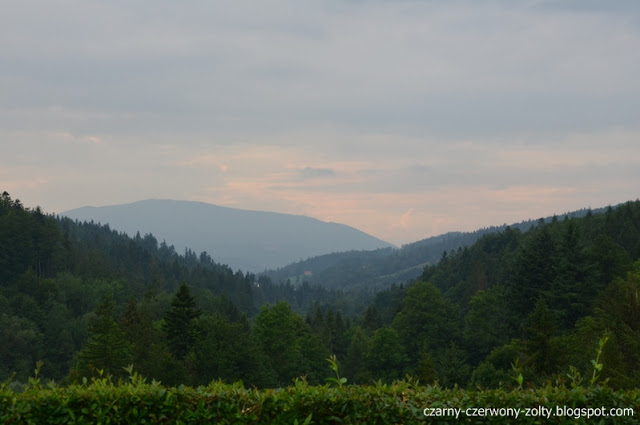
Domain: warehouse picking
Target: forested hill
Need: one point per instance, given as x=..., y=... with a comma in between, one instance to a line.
x=541, y=304
x=55, y=272
x=380, y=268
x=33, y=243
x=544, y=299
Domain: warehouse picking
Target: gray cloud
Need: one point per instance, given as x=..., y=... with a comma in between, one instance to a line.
x=437, y=68
x=313, y=173
x=369, y=97
x=590, y=5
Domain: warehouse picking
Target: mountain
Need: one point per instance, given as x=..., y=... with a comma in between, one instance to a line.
x=243, y=239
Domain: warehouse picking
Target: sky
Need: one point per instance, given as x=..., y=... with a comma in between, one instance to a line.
x=405, y=119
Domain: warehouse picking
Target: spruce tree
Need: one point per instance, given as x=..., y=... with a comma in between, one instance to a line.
x=107, y=348
x=179, y=322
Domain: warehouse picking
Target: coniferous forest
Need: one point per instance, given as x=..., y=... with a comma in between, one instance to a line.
x=86, y=300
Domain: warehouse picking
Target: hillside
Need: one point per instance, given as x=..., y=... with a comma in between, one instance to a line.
x=246, y=240
x=56, y=273
x=545, y=299
x=380, y=268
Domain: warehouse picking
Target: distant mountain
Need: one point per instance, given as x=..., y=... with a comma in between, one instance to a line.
x=246, y=240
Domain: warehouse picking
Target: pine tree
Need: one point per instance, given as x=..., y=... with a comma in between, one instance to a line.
x=452, y=367
x=139, y=331
x=107, y=348
x=542, y=352
x=179, y=322
x=570, y=296
x=354, y=363
x=535, y=271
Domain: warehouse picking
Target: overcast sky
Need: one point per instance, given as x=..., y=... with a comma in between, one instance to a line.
x=405, y=119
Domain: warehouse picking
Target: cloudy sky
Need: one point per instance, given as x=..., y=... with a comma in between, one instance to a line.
x=404, y=118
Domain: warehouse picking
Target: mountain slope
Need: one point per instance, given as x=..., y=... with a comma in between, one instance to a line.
x=382, y=267
x=243, y=239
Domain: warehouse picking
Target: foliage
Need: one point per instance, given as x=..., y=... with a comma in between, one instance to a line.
x=425, y=318
x=597, y=366
x=333, y=363
x=136, y=401
x=225, y=350
x=453, y=369
x=290, y=347
x=386, y=355
x=106, y=349
x=540, y=298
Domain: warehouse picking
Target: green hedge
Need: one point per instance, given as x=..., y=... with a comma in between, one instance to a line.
x=101, y=402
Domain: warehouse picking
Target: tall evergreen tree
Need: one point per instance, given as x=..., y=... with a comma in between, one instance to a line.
x=179, y=322
x=535, y=272
x=541, y=350
x=452, y=367
x=570, y=295
x=107, y=348
x=354, y=364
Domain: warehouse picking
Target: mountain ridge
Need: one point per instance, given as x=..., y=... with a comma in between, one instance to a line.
x=385, y=266
x=244, y=239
